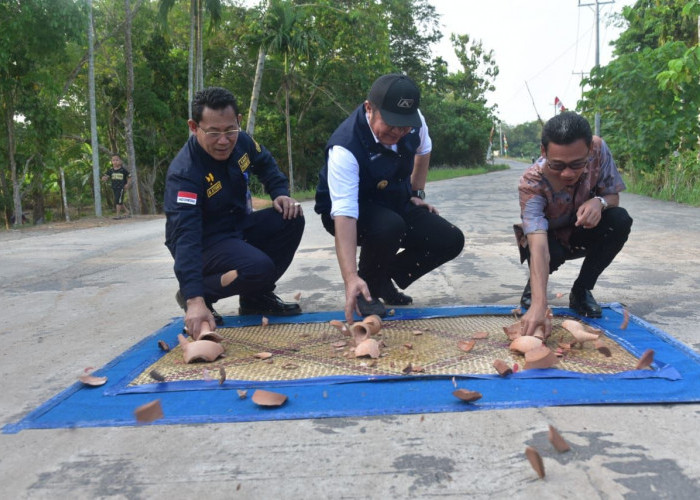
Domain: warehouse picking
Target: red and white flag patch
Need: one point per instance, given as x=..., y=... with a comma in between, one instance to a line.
x=187, y=197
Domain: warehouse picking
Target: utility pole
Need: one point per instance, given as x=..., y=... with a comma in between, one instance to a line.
x=597, y=4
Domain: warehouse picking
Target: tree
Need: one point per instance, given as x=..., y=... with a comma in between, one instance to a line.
x=28, y=84
x=195, y=71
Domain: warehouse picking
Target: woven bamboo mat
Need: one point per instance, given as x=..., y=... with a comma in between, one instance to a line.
x=312, y=350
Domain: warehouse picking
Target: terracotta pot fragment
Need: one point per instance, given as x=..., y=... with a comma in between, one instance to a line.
x=513, y=331
x=373, y=323
x=339, y=344
x=199, y=350
x=92, y=380
x=602, y=348
x=525, y=344
x=359, y=332
x=557, y=441
x=242, y=393
x=480, y=335
x=408, y=345
x=263, y=355
x=211, y=336
x=540, y=357
x=368, y=347
x=578, y=331
x=149, y=412
x=535, y=461
x=156, y=375
x=645, y=360
x=467, y=395
x=502, y=368
x=340, y=326
x=625, y=319
x=222, y=375
x=466, y=345
x=417, y=332
x=264, y=322
x=267, y=398
x=163, y=345
x=297, y=296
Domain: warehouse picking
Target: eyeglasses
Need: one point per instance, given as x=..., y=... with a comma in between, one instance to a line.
x=560, y=166
x=215, y=136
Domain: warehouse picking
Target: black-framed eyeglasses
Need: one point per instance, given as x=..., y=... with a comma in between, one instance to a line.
x=215, y=136
x=576, y=165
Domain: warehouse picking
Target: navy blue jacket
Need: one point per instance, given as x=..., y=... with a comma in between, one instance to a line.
x=206, y=200
x=385, y=175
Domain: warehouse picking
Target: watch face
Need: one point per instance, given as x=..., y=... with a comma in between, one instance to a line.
x=421, y=194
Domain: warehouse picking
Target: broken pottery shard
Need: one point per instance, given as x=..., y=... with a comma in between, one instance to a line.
x=211, y=336
x=339, y=344
x=149, y=412
x=222, y=375
x=267, y=398
x=602, y=348
x=360, y=332
x=408, y=345
x=557, y=441
x=418, y=369
x=373, y=323
x=625, y=319
x=535, y=460
x=163, y=345
x=408, y=369
x=242, y=393
x=645, y=360
x=199, y=350
x=540, y=357
x=466, y=395
x=417, y=332
x=297, y=296
x=480, y=335
x=264, y=322
x=290, y=366
x=513, y=331
x=263, y=355
x=92, y=381
x=466, y=345
x=369, y=347
x=156, y=375
x=525, y=344
x=502, y=368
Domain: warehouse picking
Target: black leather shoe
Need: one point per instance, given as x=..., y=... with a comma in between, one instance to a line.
x=267, y=303
x=369, y=308
x=583, y=303
x=218, y=319
x=385, y=289
x=526, y=297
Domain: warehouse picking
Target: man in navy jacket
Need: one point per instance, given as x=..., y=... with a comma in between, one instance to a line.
x=371, y=194
x=220, y=245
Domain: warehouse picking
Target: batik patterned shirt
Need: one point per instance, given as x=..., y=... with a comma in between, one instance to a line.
x=542, y=209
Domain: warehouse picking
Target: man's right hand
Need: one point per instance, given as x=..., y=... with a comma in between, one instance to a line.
x=198, y=318
x=353, y=287
x=536, y=317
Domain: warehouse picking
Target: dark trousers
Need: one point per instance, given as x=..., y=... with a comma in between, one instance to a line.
x=598, y=246
x=401, y=246
x=260, y=258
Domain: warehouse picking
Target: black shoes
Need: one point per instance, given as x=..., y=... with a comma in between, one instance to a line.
x=218, y=319
x=526, y=297
x=267, y=303
x=582, y=301
x=369, y=308
x=385, y=289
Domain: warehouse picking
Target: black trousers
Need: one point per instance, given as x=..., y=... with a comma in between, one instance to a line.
x=598, y=246
x=261, y=257
x=401, y=246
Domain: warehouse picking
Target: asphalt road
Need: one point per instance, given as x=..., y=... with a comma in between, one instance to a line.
x=77, y=298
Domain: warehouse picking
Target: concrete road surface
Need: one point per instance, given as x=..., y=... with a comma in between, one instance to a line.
x=77, y=298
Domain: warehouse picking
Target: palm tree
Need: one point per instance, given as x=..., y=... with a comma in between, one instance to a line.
x=195, y=67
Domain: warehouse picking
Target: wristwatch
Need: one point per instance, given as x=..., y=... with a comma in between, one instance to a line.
x=603, y=201
x=418, y=193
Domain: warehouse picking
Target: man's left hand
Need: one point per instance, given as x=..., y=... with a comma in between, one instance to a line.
x=421, y=203
x=288, y=207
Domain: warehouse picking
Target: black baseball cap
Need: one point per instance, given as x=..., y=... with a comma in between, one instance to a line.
x=397, y=97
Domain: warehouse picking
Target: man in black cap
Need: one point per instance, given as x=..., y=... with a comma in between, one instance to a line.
x=370, y=194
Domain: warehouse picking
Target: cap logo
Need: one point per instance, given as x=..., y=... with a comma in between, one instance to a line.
x=405, y=103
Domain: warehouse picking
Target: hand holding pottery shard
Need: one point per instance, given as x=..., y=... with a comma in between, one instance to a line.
x=199, y=350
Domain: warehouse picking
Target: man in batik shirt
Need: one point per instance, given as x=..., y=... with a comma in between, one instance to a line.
x=569, y=205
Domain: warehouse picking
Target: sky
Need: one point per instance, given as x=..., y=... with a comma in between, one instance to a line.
x=543, y=45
